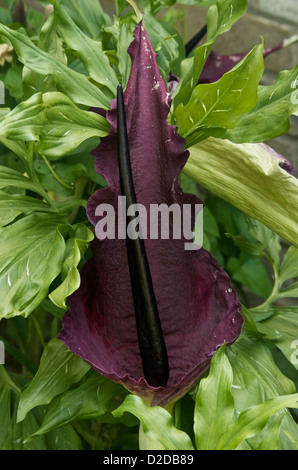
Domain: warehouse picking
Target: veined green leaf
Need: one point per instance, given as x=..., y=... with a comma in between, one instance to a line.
x=31, y=256
x=54, y=121
x=66, y=126
x=10, y=177
x=76, y=246
x=220, y=19
x=155, y=5
x=291, y=291
x=90, y=51
x=165, y=41
x=93, y=398
x=252, y=273
x=253, y=420
x=13, y=205
x=73, y=84
x=256, y=377
x=5, y=404
x=270, y=117
x=59, y=368
x=24, y=122
x=282, y=329
x=213, y=106
x=17, y=147
x=157, y=424
x=88, y=15
x=17, y=433
x=269, y=239
x=270, y=439
x=246, y=245
x=214, y=410
x=50, y=42
x=289, y=266
x=249, y=177
x=124, y=60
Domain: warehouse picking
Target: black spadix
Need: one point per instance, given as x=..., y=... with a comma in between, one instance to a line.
x=195, y=40
x=150, y=336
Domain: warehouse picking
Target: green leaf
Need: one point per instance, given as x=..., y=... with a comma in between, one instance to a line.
x=214, y=409
x=281, y=328
x=256, y=377
x=253, y=420
x=246, y=245
x=124, y=60
x=155, y=5
x=76, y=246
x=92, y=399
x=24, y=122
x=89, y=51
x=35, y=19
x=267, y=237
x=18, y=432
x=220, y=105
x=249, y=177
x=270, y=117
x=89, y=16
x=73, y=84
x=18, y=355
x=10, y=177
x=220, y=19
x=65, y=438
x=12, y=434
x=31, y=255
x=289, y=266
x=290, y=292
x=270, y=440
x=5, y=404
x=13, y=81
x=59, y=369
x=54, y=121
x=60, y=177
x=13, y=205
x=120, y=6
x=66, y=126
x=49, y=41
x=157, y=424
x=251, y=273
x=5, y=16
x=165, y=41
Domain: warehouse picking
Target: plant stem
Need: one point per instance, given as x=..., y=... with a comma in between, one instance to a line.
x=79, y=191
x=68, y=186
x=136, y=9
x=39, y=188
x=272, y=297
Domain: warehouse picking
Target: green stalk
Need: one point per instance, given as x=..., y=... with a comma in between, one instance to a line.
x=68, y=186
x=32, y=174
x=273, y=296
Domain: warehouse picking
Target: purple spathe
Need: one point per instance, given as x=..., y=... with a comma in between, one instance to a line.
x=198, y=309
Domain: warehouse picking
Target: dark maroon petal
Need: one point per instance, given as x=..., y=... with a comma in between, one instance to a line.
x=217, y=65
x=198, y=309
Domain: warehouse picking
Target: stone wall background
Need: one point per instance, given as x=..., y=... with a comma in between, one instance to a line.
x=274, y=20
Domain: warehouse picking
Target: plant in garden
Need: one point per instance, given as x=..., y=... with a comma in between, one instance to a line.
x=87, y=322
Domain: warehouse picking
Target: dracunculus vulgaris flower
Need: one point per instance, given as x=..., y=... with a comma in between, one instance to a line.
x=193, y=308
